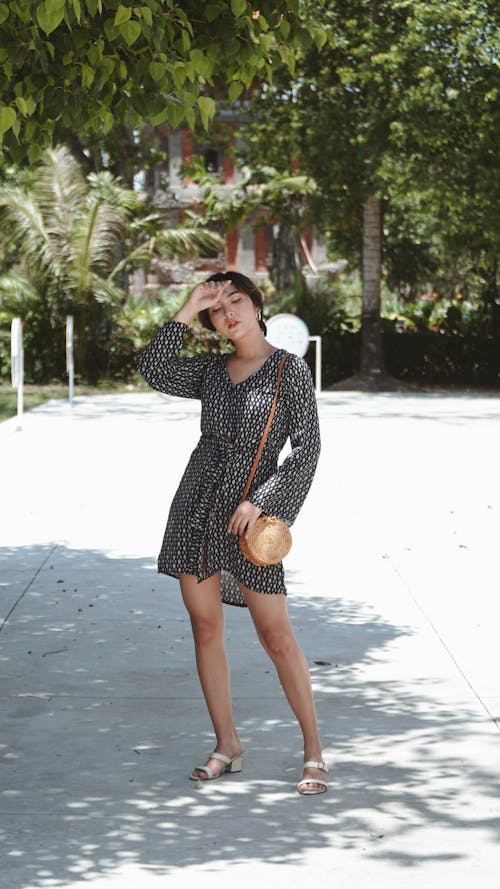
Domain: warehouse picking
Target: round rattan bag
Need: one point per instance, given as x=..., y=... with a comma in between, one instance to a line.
x=268, y=542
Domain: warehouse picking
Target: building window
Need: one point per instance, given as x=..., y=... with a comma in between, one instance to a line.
x=211, y=160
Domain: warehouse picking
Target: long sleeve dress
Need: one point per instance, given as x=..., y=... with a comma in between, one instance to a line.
x=233, y=416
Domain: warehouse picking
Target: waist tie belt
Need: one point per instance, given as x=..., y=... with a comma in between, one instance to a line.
x=227, y=446
x=222, y=450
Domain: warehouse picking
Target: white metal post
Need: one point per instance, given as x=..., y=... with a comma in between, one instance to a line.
x=70, y=365
x=317, y=341
x=17, y=364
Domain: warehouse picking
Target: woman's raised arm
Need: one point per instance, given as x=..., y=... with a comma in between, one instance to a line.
x=159, y=362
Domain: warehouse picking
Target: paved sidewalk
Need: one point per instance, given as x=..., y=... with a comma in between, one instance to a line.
x=393, y=583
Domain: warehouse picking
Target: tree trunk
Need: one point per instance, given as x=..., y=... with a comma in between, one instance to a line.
x=286, y=266
x=372, y=352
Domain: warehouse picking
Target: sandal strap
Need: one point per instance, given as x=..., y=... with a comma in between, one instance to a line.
x=316, y=765
x=312, y=781
x=220, y=756
x=205, y=769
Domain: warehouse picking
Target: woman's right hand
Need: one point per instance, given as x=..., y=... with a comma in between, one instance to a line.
x=204, y=295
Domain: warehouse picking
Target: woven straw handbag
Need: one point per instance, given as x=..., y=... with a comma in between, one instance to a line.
x=269, y=540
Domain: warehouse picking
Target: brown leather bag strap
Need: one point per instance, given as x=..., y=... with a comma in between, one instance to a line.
x=266, y=429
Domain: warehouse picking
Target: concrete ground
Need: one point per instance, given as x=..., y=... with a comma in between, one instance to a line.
x=394, y=594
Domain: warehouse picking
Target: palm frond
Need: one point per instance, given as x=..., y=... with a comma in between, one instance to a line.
x=95, y=241
x=107, y=189
x=263, y=189
x=17, y=294
x=172, y=242
x=106, y=291
x=23, y=226
x=106, y=235
x=145, y=223
x=169, y=243
x=60, y=190
x=137, y=258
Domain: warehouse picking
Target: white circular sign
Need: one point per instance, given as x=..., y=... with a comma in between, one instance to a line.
x=288, y=332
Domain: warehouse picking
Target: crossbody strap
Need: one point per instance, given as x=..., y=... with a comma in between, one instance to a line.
x=266, y=429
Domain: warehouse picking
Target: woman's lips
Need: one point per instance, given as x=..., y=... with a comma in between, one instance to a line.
x=232, y=324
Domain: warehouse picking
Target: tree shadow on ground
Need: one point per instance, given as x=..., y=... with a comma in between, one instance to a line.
x=103, y=721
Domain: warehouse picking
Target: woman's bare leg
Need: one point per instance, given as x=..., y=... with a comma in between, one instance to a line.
x=203, y=602
x=270, y=616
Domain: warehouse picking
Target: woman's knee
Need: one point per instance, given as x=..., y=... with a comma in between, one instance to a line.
x=207, y=630
x=277, y=640
x=204, y=605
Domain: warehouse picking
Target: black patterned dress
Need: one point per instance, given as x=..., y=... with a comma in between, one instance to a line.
x=233, y=416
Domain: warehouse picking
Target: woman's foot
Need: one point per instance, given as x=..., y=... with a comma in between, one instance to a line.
x=214, y=767
x=314, y=777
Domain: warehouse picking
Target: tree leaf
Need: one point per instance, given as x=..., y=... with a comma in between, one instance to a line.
x=4, y=13
x=161, y=117
x=238, y=7
x=50, y=14
x=235, y=90
x=320, y=37
x=109, y=30
x=188, y=98
x=157, y=70
x=34, y=152
x=107, y=121
x=21, y=104
x=147, y=15
x=186, y=41
x=88, y=75
x=178, y=75
x=7, y=118
x=123, y=14
x=212, y=12
x=175, y=114
x=130, y=31
x=207, y=110
x=200, y=62
x=285, y=28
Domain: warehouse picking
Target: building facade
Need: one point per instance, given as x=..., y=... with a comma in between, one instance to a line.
x=248, y=248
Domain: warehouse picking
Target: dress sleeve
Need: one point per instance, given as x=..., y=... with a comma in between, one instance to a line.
x=283, y=494
x=161, y=367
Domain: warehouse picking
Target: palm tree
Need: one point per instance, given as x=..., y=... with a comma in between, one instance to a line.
x=265, y=196
x=72, y=239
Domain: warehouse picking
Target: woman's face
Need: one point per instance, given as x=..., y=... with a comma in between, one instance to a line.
x=234, y=315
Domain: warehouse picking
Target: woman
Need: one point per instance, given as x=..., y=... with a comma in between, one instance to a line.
x=201, y=542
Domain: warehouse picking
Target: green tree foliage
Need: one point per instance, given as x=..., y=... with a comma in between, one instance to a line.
x=69, y=240
x=396, y=118
x=87, y=66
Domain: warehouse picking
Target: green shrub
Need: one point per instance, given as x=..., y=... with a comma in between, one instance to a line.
x=428, y=358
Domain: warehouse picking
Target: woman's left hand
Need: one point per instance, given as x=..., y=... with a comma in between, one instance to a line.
x=243, y=518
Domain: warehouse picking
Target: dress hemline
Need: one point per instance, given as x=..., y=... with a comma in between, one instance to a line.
x=176, y=574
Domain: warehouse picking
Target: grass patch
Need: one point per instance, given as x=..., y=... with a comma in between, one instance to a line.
x=35, y=395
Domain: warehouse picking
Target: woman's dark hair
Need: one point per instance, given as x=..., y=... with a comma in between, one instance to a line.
x=244, y=285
